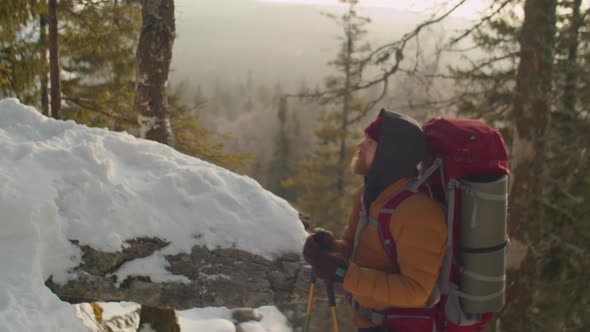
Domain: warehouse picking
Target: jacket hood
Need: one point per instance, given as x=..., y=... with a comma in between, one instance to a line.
x=401, y=147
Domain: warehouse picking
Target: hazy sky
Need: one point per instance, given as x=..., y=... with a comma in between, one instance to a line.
x=285, y=40
x=469, y=9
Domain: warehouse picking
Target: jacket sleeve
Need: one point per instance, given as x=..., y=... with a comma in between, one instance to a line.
x=344, y=246
x=419, y=230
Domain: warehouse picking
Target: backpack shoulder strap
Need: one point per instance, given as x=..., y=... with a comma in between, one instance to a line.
x=387, y=240
x=384, y=218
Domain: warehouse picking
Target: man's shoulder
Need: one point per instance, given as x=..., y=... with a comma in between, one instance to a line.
x=423, y=207
x=422, y=198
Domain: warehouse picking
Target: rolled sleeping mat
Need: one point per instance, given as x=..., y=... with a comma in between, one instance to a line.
x=483, y=240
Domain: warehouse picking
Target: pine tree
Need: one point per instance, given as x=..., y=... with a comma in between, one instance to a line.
x=531, y=119
x=20, y=53
x=43, y=79
x=323, y=179
x=154, y=54
x=194, y=139
x=568, y=225
x=295, y=116
x=281, y=166
x=98, y=53
x=54, y=70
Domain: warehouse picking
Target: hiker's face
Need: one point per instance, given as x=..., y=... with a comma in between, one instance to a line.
x=363, y=158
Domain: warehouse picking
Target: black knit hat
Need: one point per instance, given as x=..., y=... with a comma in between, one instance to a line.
x=402, y=146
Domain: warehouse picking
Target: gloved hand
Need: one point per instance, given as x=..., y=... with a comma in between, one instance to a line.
x=320, y=240
x=330, y=266
x=324, y=238
x=311, y=250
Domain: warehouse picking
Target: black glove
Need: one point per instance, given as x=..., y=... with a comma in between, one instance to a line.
x=319, y=240
x=311, y=250
x=325, y=239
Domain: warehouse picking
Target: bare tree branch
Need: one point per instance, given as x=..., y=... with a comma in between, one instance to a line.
x=442, y=76
x=559, y=186
x=432, y=104
x=489, y=62
x=568, y=245
x=383, y=53
x=461, y=50
x=412, y=34
x=480, y=23
x=370, y=104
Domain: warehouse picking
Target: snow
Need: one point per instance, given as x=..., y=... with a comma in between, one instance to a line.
x=155, y=263
x=198, y=319
x=219, y=320
x=61, y=181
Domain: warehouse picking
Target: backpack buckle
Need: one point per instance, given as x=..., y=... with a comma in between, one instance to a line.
x=377, y=317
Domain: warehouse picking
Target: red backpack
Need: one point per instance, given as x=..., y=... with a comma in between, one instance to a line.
x=468, y=175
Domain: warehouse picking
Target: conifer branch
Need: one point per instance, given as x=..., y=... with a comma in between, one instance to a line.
x=91, y=106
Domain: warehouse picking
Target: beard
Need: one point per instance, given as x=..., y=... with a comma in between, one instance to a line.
x=359, y=165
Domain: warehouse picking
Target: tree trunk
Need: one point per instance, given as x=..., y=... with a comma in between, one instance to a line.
x=54, y=61
x=43, y=53
x=154, y=53
x=571, y=69
x=345, y=100
x=153, y=57
x=566, y=138
x=531, y=121
x=157, y=320
x=281, y=168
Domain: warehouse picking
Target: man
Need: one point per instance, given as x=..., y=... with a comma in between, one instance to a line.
x=388, y=158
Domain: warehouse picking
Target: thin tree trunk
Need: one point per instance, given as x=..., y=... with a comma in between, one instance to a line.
x=571, y=70
x=345, y=102
x=283, y=150
x=531, y=120
x=54, y=61
x=154, y=53
x=43, y=50
x=153, y=57
x=564, y=124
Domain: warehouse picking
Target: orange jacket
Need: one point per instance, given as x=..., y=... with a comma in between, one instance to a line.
x=419, y=229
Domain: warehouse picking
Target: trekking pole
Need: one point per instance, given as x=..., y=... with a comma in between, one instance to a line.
x=332, y=301
x=309, y=302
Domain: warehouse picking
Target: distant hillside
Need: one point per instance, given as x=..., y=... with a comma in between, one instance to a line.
x=224, y=39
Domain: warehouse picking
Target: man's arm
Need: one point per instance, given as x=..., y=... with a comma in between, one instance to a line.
x=344, y=246
x=419, y=230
